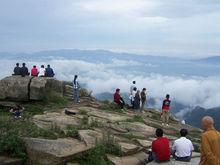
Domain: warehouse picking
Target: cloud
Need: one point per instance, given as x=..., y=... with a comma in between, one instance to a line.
x=104, y=77
x=171, y=28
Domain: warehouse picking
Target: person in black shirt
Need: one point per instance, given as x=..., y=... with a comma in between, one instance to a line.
x=24, y=70
x=17, y=70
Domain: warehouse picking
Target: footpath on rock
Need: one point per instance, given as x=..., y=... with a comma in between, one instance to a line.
x=54, y=130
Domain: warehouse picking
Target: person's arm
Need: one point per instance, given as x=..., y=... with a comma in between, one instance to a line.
x=207, y=153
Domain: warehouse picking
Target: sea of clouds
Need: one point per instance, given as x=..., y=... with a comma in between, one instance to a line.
x=106, y=77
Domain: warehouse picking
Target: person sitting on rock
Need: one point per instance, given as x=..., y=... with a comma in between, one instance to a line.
x=24, y=70
x=118, y=99
x=16, y=111
x=17, y=70
x=34, y=71
x=182, y=147
x=160, y=148
x=49, y=72
x=42, y=71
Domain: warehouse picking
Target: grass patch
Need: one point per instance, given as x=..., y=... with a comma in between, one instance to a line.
x=72, y=131
x=83, y=112
x=136, y=118
x=111, y=107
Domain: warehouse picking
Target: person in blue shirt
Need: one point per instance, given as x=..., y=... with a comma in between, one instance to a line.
x=49, y=72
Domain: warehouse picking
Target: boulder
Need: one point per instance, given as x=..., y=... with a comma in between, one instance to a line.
x=49, y=120
x=138, y=129
x=129, y=148
x=194, y=161
x=90, y=137
x=41, y=87
x=15, y=88
x=135, y=159
x=52, y=152
x=144, y=143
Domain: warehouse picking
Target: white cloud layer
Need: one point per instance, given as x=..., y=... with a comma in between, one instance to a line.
x=191, y=91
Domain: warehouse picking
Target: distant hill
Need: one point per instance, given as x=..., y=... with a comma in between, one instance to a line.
x=194, y=117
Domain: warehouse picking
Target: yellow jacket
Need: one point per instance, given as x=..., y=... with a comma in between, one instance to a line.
x=210, y=147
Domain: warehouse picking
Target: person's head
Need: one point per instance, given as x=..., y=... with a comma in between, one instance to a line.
x=207, y=122
x=34, y=66
x=135, y=89
x=144, y=89
x=48, y=66
x=23, y=64
x=42, y=66
x=183, y=132
x=159, y=132
x=167, y=96
x=76, y=76
x=134, y=82
x=118, y=90
x=17, y=64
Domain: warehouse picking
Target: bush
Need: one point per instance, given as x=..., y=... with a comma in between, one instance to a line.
x=72, y=131
x=136, y=118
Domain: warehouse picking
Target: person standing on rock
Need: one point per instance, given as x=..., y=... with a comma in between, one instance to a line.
x=76, y=88
x=143, y=98
x=160, y=148
x=166, y=110
x=137, y=100
x=118, y=99
x=210, y=145
x=42, y=71
x=34, y=71
x=182, y=147
x=17, y=70
x=132, y=87
x=24, y=70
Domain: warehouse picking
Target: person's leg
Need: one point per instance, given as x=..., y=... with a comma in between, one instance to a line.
x=77, y=95
x=163, y=117
x=167, y=117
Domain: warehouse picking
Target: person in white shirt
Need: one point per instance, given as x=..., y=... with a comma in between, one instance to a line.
x=182, y=147
x=133, y=97
x=132, y=87
x=41, y=71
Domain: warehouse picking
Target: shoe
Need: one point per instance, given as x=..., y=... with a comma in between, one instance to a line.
x=167, y=124
x=162, y=123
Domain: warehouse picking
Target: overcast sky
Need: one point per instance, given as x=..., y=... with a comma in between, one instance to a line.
x=184, y=28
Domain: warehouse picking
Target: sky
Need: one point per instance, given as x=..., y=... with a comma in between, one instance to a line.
x=189, y=28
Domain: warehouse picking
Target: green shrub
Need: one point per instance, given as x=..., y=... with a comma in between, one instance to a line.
x=136, y=118
x=72, y=131
x=83, y=112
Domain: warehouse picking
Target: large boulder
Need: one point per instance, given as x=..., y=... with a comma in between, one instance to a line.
x=41, y=87
x=15, y=88
x=53, y=152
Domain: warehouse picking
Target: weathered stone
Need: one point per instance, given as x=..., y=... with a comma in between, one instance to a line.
x=129, y=148
x=49, y=120
x=135, y=159
x=196, y=154
x=144, y=143
x=41, y=87
x=138, y=128
x=90, y=137
x=15, y=88
x=52, y=152
x=10, y=161
x=194, y=161
x=111, y=117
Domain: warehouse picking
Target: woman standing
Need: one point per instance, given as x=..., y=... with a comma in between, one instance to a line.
x=137, y=100
x=76, y=88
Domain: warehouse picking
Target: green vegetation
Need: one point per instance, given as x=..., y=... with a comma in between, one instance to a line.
x=136, y=118
x=83, y=111
x=98, y=154
x=131, y=136
x=72, y=131
x=111, y=107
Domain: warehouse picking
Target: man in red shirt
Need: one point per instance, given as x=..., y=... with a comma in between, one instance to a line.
x=160, y=148
x=118, y=99
x=34, y=71
x=166, y=110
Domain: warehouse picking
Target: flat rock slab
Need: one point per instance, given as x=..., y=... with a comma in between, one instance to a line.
x=90, y=137
x=144, y=143
x=194, y=161
x=138, y=128
x=111, y=117
x=10, y=161
x=48, y=120
x=135, y=159
x=196, y=154
x=129, y=148
x=52, y=152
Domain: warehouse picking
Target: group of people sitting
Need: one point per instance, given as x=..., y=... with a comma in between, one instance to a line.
x=35, y=72
x=182, y=148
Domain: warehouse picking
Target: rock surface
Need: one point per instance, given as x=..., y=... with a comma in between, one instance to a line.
x=194, y=161
x=90, y=137
x=10, y=161
x=52, y=152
